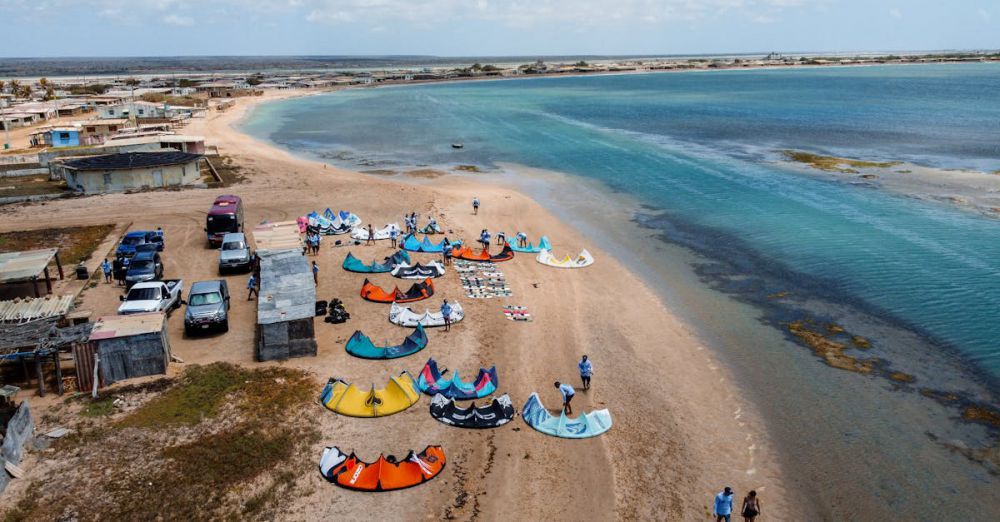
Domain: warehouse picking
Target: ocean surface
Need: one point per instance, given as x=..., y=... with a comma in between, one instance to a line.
x=691, y=159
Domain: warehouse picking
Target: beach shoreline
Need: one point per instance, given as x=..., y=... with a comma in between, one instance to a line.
x=679, y=419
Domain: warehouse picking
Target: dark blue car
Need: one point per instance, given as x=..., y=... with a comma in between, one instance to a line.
x=128, y=245
x=144, y=266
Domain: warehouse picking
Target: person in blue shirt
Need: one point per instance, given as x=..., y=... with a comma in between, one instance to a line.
x=252, y=287
x=484, y=238
x=586, y=370
x=106, y=267
x=567, y=392
x=446, y=314
x=723, y=508
x=475, y=206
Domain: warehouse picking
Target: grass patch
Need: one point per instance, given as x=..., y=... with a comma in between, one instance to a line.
x=75, y=244
x=99, y=408
x=468, y=168
x=222, y=442
x=230, y=171
x=31, y=186
x=835, y=164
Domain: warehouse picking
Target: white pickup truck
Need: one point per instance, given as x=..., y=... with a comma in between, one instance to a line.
x=154, y=296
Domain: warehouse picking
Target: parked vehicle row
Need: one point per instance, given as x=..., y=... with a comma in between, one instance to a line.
x=208, y=302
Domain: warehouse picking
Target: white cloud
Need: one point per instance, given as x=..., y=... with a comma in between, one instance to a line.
x=896, y=13
x=178, y=20
x=513, y=13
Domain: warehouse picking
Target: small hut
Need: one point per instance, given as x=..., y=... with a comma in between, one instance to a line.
x=128, y=346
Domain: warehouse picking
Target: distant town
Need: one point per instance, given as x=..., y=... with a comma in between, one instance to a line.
x=50, y=123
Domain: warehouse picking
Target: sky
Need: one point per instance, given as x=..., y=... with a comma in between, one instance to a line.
x=57, y=28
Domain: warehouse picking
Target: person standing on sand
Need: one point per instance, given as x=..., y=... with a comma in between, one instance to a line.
x=252, y=287
x=501, y=237
x=475, y=206
x=315, y=273
x=723, y=508
x=446, y=315
x=586, y=370
x=106, y=267
x=446, y=252
x=484, y=238
x=393, y=235
x=567, y=392
x=751, y=507
x=522, y=239
x=371, y=235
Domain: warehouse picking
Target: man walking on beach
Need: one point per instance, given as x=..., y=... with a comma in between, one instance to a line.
x=106, y=267
x=475, y=206
x=446, y=315
x=371, y=235
x=252, y=287
x=315, y=273
x=586, y=370
x=723, y=509
x=567, y=392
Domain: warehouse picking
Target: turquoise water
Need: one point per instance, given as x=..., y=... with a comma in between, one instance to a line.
x=692, y=145
x=695, y=152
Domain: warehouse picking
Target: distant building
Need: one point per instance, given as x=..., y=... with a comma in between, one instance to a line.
x=133, y=109
x=130, y=171
x=56, y=137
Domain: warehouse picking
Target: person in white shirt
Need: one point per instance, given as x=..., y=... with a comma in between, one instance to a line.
x=567, y=392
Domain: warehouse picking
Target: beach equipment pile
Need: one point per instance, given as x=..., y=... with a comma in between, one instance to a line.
x=482, y=280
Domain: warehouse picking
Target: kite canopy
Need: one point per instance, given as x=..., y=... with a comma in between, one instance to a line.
x=417, y=292
x=431, y=228
x=347, y=399
x=586, y=425
x=466, y=253
x=359, y=345
x=361, y=233
x=432, y=382
x=418, y=271
x=385, y=474
x=543, y=244
x=404, y=316
x=498, y=412
x=343, y=217
x=411, y=243
x=545, y=257
x=353, y=264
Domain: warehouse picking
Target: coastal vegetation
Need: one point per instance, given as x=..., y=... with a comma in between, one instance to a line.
x=835, y=164
x=75, y=244
x=164, y=440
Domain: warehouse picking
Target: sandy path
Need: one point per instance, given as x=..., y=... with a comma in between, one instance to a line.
x=681, y=429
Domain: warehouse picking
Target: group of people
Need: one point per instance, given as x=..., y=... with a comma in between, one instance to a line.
x=410, y=221
x=116, y=270
x=723, y=506
x=312, y=241
x=586, y=371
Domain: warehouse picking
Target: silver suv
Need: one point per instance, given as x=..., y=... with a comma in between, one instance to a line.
x=234, y=254
x=207, y=307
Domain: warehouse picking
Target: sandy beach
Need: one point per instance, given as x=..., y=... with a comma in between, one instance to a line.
x=681, y=430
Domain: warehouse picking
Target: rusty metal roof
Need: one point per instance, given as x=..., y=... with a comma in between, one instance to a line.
x=23, y=266
x=23, y=310
x=114, y=326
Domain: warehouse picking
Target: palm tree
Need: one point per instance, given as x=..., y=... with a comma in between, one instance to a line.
x=15, y=86
x=2, y=84
x=43, y=82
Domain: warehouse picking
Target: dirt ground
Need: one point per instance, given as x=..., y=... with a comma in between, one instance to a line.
x=670, y=450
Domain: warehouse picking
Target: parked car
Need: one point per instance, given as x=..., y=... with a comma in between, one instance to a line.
x=207, y=307
x=225, y=216
x=144, y=266
x=155, y=296
x=139, y=237
x=234, y=254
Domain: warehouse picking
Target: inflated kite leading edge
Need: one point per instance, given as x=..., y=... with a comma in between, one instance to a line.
x=385, y=474
x=347, y=399
x=432, y=382
x=586, y=425
x=545, y=257
x=497, y=412
x=359, y=345
x=404, y=316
